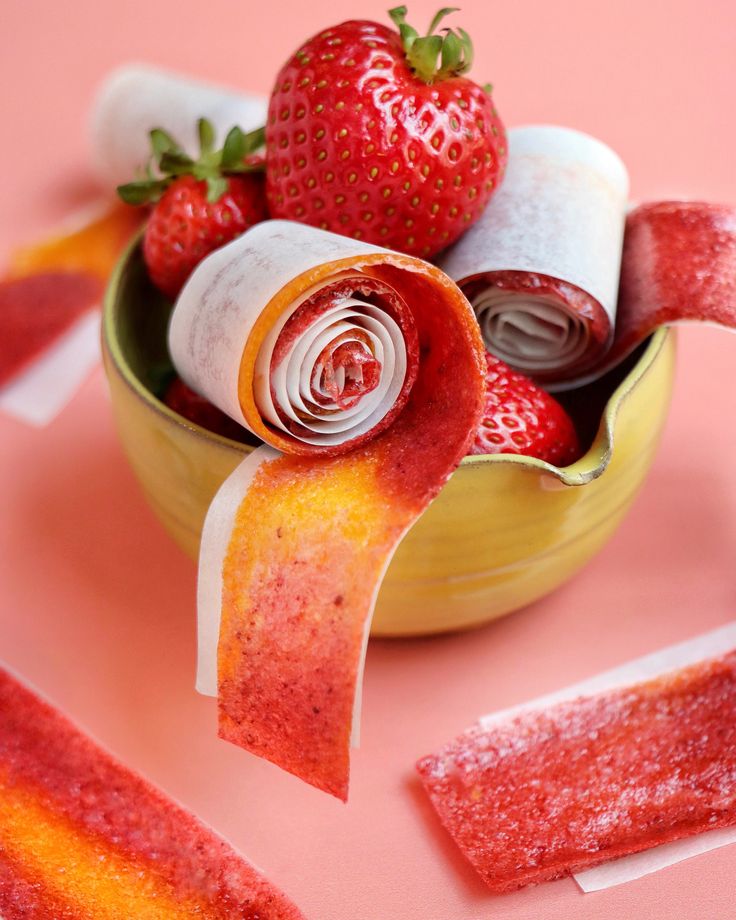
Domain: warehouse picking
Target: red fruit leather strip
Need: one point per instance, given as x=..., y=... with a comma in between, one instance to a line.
x=53, y=282
x=554, y=791
x=679, y=263
x=312, y=539
x=36, y=310
x=83, y=836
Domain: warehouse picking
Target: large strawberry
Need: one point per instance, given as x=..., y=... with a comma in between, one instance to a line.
x=376, y=134
x=199, y=205
x=521, y=418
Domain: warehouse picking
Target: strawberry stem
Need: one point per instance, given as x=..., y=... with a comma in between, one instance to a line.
x=212, y=166
x=434, y=57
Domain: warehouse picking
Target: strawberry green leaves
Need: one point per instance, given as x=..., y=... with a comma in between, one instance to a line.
x=454, y=49
x=212, y=166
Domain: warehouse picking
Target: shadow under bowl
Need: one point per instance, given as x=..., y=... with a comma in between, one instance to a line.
x=503, y=532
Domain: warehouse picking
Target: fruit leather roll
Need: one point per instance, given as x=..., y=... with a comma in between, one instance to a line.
x=135, y=99
x=541, y=266
x=82, y=836
x=362, y=369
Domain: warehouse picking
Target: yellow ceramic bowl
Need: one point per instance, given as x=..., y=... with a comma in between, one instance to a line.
x=504, y=531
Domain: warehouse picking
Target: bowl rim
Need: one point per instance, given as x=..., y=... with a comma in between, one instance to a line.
x=590, y=466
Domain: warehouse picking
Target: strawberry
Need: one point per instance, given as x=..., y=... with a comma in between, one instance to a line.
x=199, y=205
x=190, y=405
x=521, y=418
x=375, y=134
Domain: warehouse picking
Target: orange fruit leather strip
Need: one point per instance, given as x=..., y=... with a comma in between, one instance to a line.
x=554, y=791
x=82, y=836
x=92, y=248
x=313, y=536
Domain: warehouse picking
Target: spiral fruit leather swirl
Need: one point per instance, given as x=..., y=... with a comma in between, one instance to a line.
x=362, y=369
x=82, y=836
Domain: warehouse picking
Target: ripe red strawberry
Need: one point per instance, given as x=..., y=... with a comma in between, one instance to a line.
x=376, y=134
x=521, y=418
x=199, y=204
x=185, y=402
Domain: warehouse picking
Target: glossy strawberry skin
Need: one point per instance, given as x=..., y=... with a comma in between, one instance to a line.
x=184, y=226
x=357, y=144
x=521, y=418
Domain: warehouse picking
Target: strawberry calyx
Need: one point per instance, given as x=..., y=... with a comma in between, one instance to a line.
x=212, y=166
x=434, y=57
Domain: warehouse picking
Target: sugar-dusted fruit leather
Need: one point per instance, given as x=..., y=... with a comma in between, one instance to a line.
x=556, y=790
x=82, y=836
x=362, y=370
x=565, y=282
x=679, y=265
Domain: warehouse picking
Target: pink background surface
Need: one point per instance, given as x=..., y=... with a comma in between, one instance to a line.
x=98, y=606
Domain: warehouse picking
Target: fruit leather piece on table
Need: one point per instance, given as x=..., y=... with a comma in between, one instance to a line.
x=49, y=338
x=136, y=98
x=82, y=836
x=362, y=369
x=568, y=782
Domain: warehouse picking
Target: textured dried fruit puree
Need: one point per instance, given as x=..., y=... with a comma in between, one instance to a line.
x=82, y=836
x=297, y=540
x=565, y=783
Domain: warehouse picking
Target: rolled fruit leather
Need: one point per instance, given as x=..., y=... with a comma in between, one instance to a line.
x=136, y=98
x=362, y=370
x=541, y=267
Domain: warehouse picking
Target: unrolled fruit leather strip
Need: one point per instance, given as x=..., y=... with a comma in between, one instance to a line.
x=541, y=266
x=82, y=836
x=553, y=791
x=679, y=265
x=136, y=98
x=269, y=328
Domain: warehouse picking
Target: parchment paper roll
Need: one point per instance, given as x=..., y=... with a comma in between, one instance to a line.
x=541, y=266
x=137, y=98
x=365, y=367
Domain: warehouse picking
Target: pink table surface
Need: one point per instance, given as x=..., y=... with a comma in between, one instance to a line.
x=97, y=606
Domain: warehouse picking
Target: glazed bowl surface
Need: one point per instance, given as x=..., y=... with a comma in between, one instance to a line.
x=503, y=532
